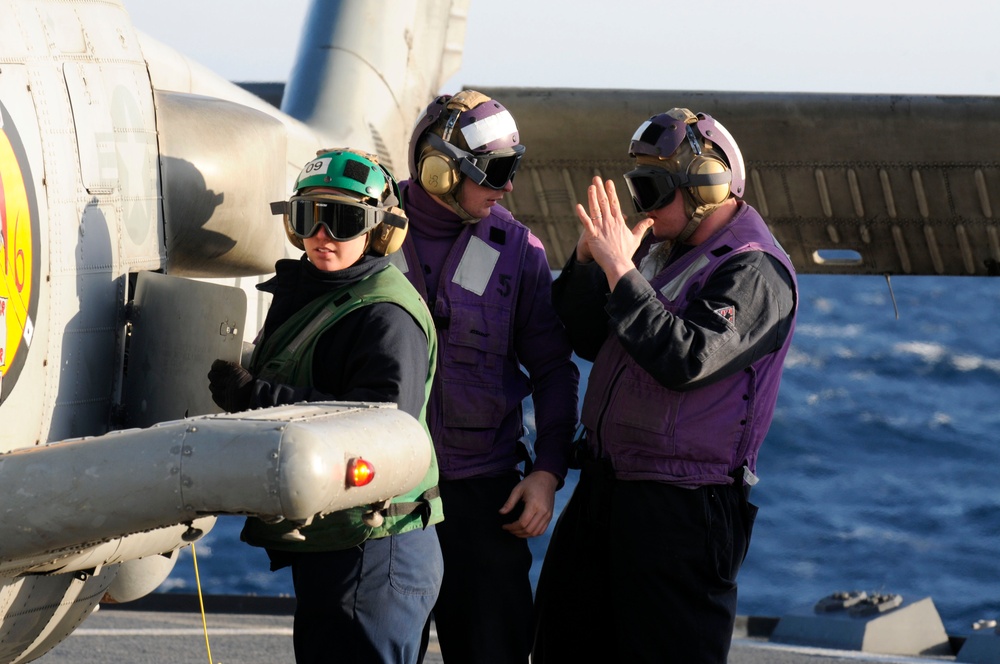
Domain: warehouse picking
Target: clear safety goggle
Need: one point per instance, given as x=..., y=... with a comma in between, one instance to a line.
x=342, y=218
x=494, y=169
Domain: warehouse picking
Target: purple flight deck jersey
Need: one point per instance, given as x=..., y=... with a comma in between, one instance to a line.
x=696, y=437
x=488, y=286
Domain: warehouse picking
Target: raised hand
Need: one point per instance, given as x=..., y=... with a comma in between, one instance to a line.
x=606, y=237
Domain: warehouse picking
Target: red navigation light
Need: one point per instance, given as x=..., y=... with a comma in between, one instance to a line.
x=359, y=472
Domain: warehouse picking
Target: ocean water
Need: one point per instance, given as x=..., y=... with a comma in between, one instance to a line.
x=880, y=471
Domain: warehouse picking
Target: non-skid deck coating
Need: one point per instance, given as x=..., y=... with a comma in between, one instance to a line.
x=167, y=629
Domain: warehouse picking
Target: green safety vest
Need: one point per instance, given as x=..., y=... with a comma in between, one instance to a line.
x=287, y=357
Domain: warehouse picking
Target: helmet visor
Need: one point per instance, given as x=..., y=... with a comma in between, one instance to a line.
x=651, y=187
x=343, y=218
x=493, y=170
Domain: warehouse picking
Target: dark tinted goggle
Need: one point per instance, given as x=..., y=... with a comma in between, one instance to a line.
x=343, y=218
x=494, y=169
x=651, y=187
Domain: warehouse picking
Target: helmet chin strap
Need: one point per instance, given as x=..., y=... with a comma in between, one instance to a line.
x=452, y=201
x=695, y=214
x=691, y=227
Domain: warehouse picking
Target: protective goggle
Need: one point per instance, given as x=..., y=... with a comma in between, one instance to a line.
x=342, y=218
x=494, y=169
x=653, y=187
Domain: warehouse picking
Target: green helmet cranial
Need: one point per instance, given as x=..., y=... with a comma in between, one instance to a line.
x=355, y=175
x=346, y=170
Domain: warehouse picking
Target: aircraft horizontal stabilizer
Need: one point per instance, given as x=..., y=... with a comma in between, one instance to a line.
x=849, y=184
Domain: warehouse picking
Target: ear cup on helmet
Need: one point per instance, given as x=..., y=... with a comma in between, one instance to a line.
x=438, y=173
x=387, y=237
x=708, y=194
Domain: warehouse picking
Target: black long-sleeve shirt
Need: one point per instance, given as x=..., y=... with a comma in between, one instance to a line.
x=681, y=353
x=376, y=353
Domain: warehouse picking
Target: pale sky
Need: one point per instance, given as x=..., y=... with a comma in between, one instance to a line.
x=880, y=46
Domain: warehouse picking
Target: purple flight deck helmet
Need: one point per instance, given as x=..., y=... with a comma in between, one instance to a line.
x=466, y=135
x=680, y=149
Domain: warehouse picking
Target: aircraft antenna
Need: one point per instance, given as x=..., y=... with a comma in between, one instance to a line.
x=892, y=295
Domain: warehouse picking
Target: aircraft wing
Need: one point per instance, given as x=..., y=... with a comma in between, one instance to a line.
x=849, y=184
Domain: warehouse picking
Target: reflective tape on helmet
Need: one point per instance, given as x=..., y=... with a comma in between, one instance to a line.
x=487, y=130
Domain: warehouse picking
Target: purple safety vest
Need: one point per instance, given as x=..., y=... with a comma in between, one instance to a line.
x=479, y=381
x=692, y=438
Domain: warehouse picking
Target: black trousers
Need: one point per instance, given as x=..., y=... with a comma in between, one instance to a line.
x=641, y=571
x=484, y=612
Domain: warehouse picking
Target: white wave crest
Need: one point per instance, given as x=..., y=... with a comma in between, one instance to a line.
x=830, y=331
x=934, y=353
x=928, y=352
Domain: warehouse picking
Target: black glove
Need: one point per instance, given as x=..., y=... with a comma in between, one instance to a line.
x=231, y=386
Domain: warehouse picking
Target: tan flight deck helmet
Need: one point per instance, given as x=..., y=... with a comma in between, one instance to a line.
x=368, y=202
x=687, y=151
x=468, y=135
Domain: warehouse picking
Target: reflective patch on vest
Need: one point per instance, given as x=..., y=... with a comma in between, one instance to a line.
x=476, y=267
x=399, y=260
x=728, y=314
x=655, y=260
x=317, y=322
x=675, y=286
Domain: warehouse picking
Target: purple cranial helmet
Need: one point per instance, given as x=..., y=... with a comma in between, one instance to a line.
x=679, y=149
x=467, y=135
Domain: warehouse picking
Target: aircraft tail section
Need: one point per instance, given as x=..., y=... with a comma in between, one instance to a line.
x=366, y=69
